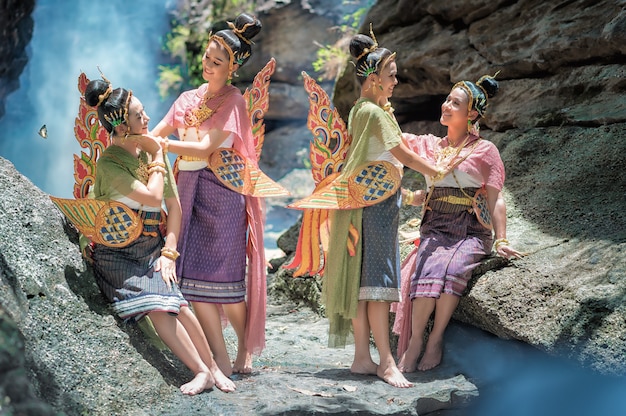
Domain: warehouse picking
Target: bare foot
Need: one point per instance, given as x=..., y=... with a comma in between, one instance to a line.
x=202, y=381
x=407, y=363
x=365, y=368
x=223, y=363
x=222, y=382
x=393, y=376
x=432, y=356
x=243, y=363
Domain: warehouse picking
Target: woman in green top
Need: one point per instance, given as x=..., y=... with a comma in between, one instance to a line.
x=140, y=277
x=359, y=286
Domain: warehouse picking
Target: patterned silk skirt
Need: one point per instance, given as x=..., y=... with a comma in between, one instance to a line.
x=380, y=267
x=212, y=242
x=451, y=246
x=127, y=278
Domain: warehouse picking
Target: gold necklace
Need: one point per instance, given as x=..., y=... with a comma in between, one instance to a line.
x=194, y=117
x=445, y=155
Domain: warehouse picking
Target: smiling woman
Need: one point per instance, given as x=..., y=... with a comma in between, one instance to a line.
x=67, y=38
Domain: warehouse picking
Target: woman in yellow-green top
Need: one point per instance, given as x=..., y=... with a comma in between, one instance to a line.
x=139, y=278
x=360, y=285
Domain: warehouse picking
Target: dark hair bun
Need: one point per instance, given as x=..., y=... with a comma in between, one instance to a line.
x=489, y=85
x=359, y=43
x=94, y=90
x=248, y=25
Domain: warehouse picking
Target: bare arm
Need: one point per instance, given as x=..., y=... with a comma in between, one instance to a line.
x=166, y=264
x=497, y=207
x=201, y=149
x=411, y=159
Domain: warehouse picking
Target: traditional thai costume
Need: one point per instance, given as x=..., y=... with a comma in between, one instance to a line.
x=220, y=227
x=372, y=271
x=454, y=238
x=126, y=274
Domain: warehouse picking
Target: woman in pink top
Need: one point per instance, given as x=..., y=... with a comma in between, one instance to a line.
x=222, y=261
x=455, y=234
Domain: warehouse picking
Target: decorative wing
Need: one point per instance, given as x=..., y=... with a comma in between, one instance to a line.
x=258, y=103
x=330, y=136
x=327, y=152
x=91, y=136
x=110, y=223
x=241, y=176
x=369, y=184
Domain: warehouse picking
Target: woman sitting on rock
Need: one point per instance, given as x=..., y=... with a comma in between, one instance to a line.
x=456, y=232
x=139, y=276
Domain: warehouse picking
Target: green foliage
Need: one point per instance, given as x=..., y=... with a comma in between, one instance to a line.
x=186, y=41
x=330, y=58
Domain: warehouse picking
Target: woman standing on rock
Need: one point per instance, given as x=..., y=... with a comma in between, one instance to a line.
x=139, y=276
x=456, y=229
x=361, y=282
x=220, y=226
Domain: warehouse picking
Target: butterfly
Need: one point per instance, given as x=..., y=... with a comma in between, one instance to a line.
x=43, y=131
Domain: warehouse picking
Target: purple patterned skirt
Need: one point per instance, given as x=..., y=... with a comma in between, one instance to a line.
x=451, y=246
x=212, y=243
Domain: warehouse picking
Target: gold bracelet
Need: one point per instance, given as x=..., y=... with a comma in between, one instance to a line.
x=501, y=242
x=166, y=145
x=156, y=169
x=408, y=199
x=156, y=164
x=170, y=253
x=439, y=176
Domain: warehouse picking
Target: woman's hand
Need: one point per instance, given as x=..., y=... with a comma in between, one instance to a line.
x=503, y=249
x=167, y=267
x=148, y=143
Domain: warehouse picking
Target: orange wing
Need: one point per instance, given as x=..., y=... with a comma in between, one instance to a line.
x=257, y=97
x=91, y=136
x=327, y=153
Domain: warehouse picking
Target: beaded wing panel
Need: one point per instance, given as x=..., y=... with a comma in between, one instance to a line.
x=91, y=136
x=110, y=223
x=242, y=176
x=257, y=98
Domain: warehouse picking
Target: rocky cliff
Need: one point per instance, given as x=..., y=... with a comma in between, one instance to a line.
x=17, y=29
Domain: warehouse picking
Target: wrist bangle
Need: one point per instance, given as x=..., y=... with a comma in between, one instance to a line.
x=439, y=176
x=166, y=145
x=408, y=198
x=170, y=253
x=501, y=242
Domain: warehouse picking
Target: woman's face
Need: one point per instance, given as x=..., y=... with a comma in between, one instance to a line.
x=388, y=79
x=137, y=117
x=215, y=64
x=454, y=108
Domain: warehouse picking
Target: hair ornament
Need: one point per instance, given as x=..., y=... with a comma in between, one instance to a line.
x=372, y=48
x=119, y=116
x=364, y=70
x=239, y=32
x=115, y=118
x=103, y=97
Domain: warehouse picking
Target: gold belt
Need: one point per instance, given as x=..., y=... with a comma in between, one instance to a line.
x=194, y=159
x=456, y=200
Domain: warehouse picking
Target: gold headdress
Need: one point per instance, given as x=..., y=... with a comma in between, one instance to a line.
x=368, y=67
x=119, y=116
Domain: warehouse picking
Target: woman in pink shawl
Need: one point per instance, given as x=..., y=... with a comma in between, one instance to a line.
x=455, y=233
x=221, y=228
